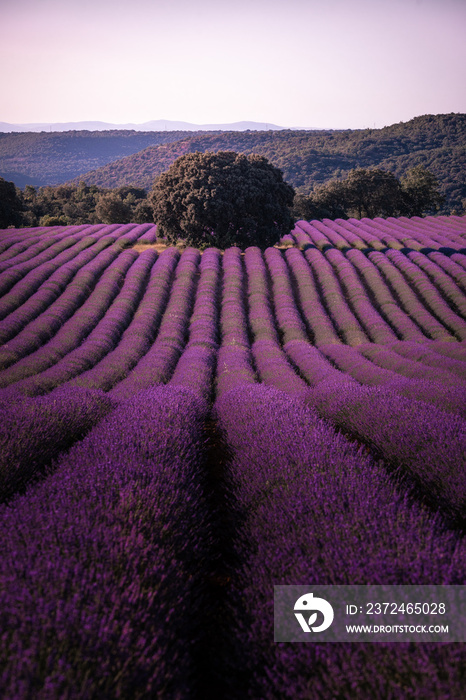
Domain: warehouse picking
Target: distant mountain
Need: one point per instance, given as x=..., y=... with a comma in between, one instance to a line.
x=155, y=125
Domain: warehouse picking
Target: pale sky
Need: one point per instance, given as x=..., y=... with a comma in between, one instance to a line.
x=295, y=63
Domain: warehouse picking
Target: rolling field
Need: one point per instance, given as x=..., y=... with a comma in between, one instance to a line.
x=181, y=431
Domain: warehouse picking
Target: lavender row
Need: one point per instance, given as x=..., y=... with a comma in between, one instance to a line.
x=375, y=365
x=386, y=238
x=428, y=234
x=455, y=271
x=260, y=312
x=112, y=350
x=48, y=291
x=429, y=294
x=408, y=300
x=308, y=361
x=325, y=236
x=375, y=326
x=340, y=236
x=287, y=314
x=237, y=365
x=10, y=236
x=348, y=326
x=419, y=380
x=106, y=332
x=234, y=360
x=103, y=564
x=444, y=230
x=404, y=236
x=45, y=250
x=32, y=281
x=34, y=432
x=23, y=241
x=459, y=259
x=356, y=232
x=75, y=329
x=44, y=326
x=313, y=509
x=456, y=351
x=307, y=233
x=129, y=234
x=150, y=235
x=346, y=236
x=32, y=252
x=233, y=315
x=383, y=298
x=415, y=232
x=20, y=244
x=422, y=440
x=425, y=353
x=319, y=325
x=269, y=359
x=442, y=280
x=195, y=369
x=13, y=273
x=413, y=368
x=156, y=366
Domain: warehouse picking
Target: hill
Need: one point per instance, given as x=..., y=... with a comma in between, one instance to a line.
x=308, y=158
x=51, y=158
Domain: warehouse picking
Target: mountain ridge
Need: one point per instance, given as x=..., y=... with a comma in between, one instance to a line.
x=152, y=125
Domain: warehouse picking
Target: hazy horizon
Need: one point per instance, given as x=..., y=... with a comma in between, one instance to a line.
x=336, y=65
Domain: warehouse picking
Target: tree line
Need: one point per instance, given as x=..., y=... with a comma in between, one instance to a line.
x=65, y=205
x=307, y=158
x=365, y=192
x=310, y=158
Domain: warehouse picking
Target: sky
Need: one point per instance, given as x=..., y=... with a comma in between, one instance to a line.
x=295, y=63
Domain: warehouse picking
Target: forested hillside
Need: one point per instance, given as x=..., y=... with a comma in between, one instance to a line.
x=50, y=158
x=309, y=158
x=111, y=159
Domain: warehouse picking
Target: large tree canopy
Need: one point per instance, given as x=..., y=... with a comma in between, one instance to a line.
x=222, y=199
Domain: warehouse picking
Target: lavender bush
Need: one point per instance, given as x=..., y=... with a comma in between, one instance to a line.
x=102, y=567
x=34, y=432
x=313, y=508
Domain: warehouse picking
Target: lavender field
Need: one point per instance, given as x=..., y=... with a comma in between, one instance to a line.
x=182, y=430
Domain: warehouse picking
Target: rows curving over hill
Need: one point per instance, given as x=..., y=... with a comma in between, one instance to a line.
x=183, y=430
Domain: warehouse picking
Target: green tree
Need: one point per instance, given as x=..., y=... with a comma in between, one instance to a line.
x=327, y=201
x=421, y=191
x=366, y=192
x=222, y=199
x=111, y=209
x=50, y=220
x=142, y=212
x=373, y=192
x=11, y=204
